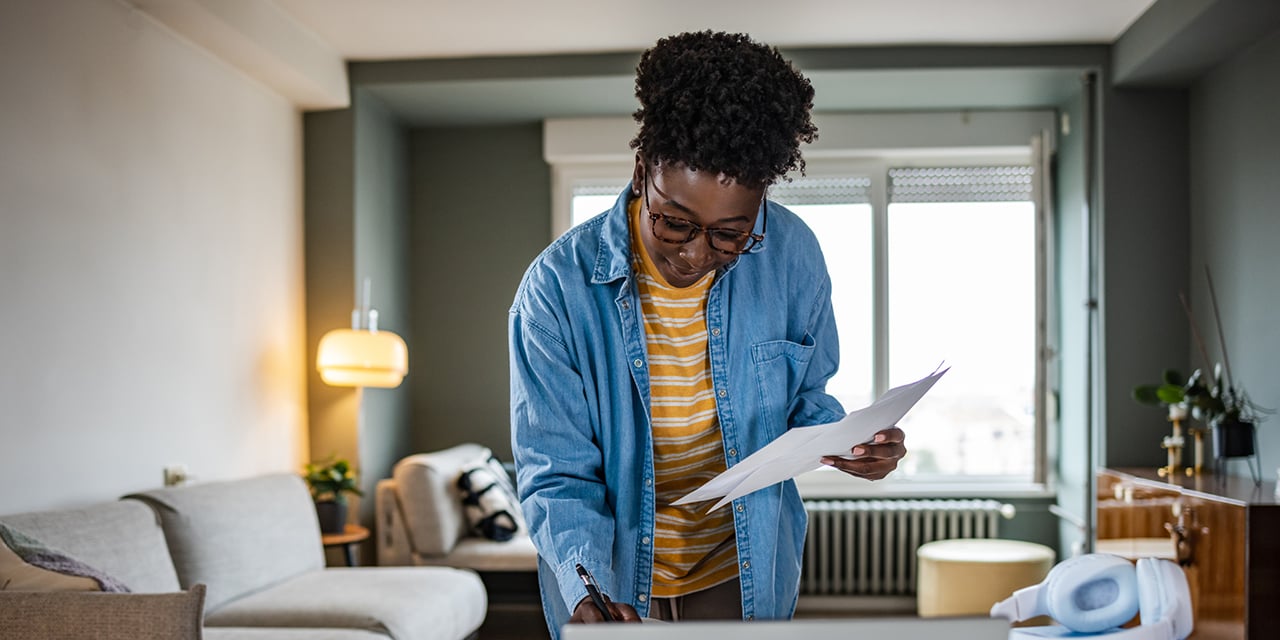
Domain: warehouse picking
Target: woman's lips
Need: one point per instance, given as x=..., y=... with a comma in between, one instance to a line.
x=684, y=273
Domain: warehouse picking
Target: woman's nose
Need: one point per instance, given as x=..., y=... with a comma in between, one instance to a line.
x=698, y=254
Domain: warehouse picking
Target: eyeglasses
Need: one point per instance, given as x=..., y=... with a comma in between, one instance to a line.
x=675, y=230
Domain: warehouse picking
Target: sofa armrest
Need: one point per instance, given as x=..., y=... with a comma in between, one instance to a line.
x=108, y=616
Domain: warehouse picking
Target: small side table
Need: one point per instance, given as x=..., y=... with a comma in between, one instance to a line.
x=351, y=536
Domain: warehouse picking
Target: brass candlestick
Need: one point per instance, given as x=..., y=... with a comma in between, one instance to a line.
x=1173, y=447
x=1198, y=469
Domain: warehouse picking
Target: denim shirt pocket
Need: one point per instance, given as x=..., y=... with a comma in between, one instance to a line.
x=780, y=368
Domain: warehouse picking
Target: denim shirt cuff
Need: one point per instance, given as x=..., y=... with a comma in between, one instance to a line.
x=571, y=587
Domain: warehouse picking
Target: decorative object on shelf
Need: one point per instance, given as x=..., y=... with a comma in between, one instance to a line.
x=1171, y=394
x=1221, y=403
x=362, y=356
x=1198, y=435
x=330, y=480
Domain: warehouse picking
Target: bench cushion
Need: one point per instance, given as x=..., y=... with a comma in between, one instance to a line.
x=516, y=554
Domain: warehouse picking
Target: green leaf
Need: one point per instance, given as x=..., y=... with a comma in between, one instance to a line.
x=1170, y=394
x=1146, y=394
x=1173, y=377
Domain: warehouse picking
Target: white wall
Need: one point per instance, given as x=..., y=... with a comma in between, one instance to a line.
x=151, y=289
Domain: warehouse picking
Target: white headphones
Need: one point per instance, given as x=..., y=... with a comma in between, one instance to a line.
x=1096, y=593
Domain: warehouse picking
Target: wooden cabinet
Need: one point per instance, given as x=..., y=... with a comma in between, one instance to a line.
x=1225, y=532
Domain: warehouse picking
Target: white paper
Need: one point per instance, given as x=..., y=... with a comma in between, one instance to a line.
x=801, y=449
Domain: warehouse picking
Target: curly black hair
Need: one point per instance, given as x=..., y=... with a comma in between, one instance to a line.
x=725, y=103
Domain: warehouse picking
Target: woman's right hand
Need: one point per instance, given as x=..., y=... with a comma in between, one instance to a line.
x=586, y=612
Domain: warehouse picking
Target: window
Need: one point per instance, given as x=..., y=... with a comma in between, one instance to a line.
x=936, y=255
x=952, y=278
x=592, y=197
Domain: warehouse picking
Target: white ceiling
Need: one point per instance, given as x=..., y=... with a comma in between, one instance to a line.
x=409, y=29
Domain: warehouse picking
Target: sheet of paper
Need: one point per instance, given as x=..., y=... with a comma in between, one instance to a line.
x=801, y=449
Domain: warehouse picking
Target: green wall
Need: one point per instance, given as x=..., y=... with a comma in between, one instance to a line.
x=356, y=178
x=1235, y=224
x=1144, y=262
x=382, y=255
x=481, y=203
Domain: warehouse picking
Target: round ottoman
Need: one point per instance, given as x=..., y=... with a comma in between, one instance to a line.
x=966, y=577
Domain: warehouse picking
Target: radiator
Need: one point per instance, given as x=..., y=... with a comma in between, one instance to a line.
x=868, y=547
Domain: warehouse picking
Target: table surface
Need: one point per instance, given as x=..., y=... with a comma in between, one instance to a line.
x=352, y=533
x=1231, y=489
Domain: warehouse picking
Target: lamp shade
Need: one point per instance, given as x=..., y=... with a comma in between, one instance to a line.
x=359, y=358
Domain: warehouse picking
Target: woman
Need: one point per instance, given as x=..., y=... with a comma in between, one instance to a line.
x=669, y=338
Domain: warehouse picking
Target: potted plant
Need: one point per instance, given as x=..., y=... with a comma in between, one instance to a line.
x=330, y=480
x=1228, y=410
x=1219, y=406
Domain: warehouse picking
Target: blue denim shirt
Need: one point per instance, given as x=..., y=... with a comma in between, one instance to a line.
x=580, y=406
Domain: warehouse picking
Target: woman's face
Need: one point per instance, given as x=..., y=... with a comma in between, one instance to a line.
x=681, y=197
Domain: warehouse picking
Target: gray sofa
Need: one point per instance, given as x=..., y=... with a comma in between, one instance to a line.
x=255, y=545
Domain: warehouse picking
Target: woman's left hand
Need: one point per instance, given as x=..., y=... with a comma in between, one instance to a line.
x=873, y=460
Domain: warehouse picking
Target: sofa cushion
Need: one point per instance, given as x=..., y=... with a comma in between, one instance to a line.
x=121, y=539
x=296, y=633
x=432, y=509
x=239, y=536
x=516, y=554
x=404, y=602
x=104, y=616
x=26, y=564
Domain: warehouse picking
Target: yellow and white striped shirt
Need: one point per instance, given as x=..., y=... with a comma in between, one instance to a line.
x=692, y=550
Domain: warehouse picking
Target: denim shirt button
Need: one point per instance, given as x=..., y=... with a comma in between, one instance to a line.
x=746, y=565
x=733, y=452
x=723, y=393
x=648, y=482
x=638, y=363
x=644, y=540
x=715, y=331
x=741, y=508
x=642, y=597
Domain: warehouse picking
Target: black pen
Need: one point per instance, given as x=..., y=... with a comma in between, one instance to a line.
x=593, y=590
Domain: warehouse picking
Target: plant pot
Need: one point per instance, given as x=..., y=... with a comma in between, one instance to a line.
x=332, y=515
x=1232, y=438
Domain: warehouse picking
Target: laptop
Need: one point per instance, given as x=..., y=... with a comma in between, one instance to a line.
x=852, y=628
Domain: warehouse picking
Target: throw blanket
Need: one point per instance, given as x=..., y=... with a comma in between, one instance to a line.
x=40, y=555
